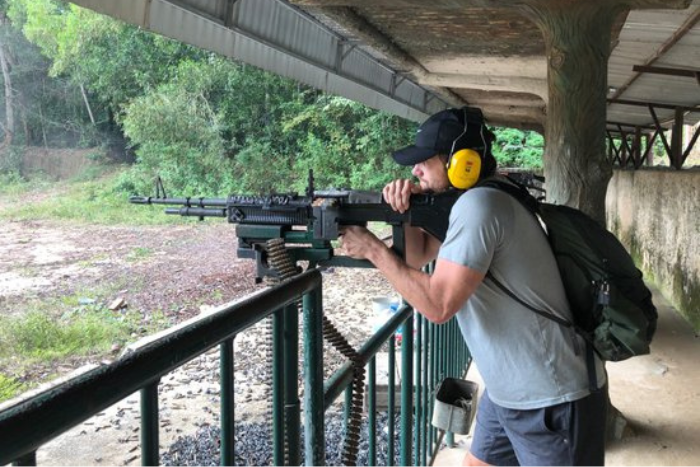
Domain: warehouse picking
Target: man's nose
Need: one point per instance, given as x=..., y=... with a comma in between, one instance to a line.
x=417, y=172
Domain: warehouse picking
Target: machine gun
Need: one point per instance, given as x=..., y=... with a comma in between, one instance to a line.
x=308, y=223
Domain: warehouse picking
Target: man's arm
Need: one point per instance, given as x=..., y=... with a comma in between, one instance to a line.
x=421, y=248
x=438, y=296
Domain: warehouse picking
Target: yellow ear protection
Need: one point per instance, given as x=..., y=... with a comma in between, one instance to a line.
x=464, y=166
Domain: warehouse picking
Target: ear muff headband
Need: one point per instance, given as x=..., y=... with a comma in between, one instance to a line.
x=464, y=166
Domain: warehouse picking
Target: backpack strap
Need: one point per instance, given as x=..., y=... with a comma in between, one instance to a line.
x=564, y=322
x=516, y=190
x=590, y=361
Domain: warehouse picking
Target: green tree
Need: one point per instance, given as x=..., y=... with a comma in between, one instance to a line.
x=115, y=62
x=518, y=149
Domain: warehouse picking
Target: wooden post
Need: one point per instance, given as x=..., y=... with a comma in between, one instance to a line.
x=648, y=151
x=676, y=155
x=637, y=147
x=577, y=38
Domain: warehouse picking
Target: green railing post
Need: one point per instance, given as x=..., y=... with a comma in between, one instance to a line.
x=426, y=391
x=372, y=410
x=314, y=439
x=292, y=406
x=27, y=459
x=407, y=391
x=391, y=402
x=433, y=376
x=419, y=420
x=277, y=388
x=149, y=424
x=228, y=404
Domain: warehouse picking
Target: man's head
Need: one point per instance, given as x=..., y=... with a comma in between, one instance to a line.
x=437, y=155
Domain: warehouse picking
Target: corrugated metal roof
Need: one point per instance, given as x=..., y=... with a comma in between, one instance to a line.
x=277, y=37
x=641, y=38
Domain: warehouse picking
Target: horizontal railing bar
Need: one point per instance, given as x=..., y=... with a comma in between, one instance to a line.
x=32, y=422
x=342, y=378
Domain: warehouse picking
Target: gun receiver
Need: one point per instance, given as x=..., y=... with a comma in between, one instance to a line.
x=308, y=224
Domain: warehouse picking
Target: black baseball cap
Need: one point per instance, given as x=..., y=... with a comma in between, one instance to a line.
x=444, y=132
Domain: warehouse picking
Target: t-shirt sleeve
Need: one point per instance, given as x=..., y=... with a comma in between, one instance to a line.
x=475, y=230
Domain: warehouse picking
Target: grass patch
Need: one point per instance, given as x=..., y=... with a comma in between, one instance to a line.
x=38, y=337
x=12, y=184
x=84, y=200
x=10, y=387
x=65, y=328
x=139, y=253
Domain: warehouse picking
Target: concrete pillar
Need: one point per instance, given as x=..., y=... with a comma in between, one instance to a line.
x=577, y=37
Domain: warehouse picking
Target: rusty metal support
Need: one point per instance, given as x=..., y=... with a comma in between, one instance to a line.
x=658, y=70
x=660, y=132
x=637, y=148
x=657, y=105
x=614, y=150
x=677, y=140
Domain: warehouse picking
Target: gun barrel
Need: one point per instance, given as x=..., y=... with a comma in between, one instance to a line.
x=197, y=212
x=187, y=202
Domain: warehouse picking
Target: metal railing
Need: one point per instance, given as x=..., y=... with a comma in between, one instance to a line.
x=428, y=354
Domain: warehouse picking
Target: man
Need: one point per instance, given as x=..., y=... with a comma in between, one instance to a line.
x=538, y=407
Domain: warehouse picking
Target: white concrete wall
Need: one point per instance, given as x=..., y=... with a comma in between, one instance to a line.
x=656, y=214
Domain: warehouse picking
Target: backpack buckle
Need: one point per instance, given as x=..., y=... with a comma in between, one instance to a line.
x=603, y=292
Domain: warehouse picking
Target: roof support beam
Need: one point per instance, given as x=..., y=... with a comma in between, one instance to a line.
x=658, y=70
x=665, y=47
x=656, y=105
x=519, y=84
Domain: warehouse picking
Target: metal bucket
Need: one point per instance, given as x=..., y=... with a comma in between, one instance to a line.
x=455, y=405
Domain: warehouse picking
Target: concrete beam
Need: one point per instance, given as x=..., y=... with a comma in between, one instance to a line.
x=517, y=84
x=524, y=118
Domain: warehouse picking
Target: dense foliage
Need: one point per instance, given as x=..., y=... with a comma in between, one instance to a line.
x=203, y=123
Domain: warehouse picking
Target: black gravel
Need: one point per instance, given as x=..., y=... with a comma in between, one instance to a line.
x=254, y=447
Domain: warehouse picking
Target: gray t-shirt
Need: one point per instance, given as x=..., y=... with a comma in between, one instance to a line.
x=527, y=361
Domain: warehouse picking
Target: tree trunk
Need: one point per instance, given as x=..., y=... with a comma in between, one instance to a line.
x=87, y=104
x=9, y=104
x=577, y=37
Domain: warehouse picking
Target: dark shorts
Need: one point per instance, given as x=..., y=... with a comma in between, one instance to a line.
x=572, y=433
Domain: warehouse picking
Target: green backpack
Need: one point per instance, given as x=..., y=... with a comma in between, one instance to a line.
x=611, y=305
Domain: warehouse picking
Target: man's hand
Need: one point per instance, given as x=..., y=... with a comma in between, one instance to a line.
x=359, y=243
x=397, y=194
